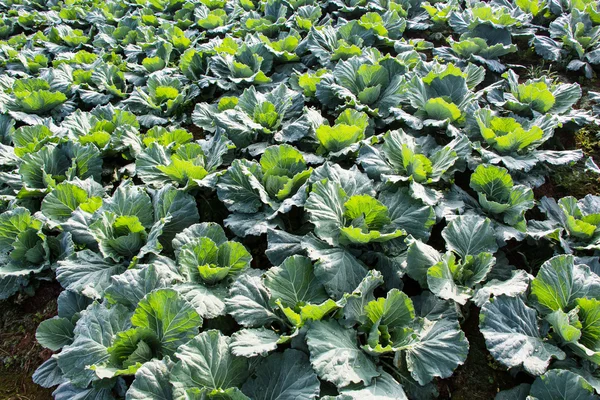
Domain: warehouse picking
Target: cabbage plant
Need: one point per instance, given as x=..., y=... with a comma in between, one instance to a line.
x=372, y=86
x=259, y=191
x=574, y=38
x=330, y=45
x=110, y=129
x=515, y=142
x=422, y=163
x=344, y=136
x=163, y=97
x=469, y=259
x=500, y=197
x=441, y=94
x=253, y=113
x=572, y=223
x=28, y=98
x=237, y=65
x=26, y=251
x=536, y=97
x=181, y=162
x=542, y=321
x=302, y=199
x=121, y=231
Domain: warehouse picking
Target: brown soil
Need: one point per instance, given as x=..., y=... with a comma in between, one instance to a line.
x=20, y=354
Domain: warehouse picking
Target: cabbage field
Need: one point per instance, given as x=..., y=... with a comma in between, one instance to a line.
x=304, y=199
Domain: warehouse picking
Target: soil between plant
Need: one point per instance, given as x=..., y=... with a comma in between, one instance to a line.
x=20, y=354
x=480, y=377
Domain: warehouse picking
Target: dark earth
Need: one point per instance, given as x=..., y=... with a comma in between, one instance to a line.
x=20, y=354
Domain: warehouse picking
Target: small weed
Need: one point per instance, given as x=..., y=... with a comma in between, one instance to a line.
x=542, y=70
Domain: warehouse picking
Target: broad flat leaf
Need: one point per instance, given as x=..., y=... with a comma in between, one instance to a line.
x=282, y=245
x=172, y=319
x=206, y=362
x=337, y=269
x=396, y=310
x=209, y=302
x=282, y=376
x=429, y=306
x=562, y=325
x=547, y=47
x=256, y=224
x=240, y=188
x=37, y=168
x=335, y=355
x=512, y=335
x=248, y=301
x=516, y=285
x=441, y=348
x=153, y=245
x=54, y=333
x=65, y=198
x=519, y=392
x=67, y=391
x=71, y=304
x=374, y=162
x=134, y=284
x=79, y=227
x=589, y=315
x=587, y=325
x=408, y=213
x=253, y=342
x=314, y=312
x=420, y=257
x=87, y=272
x=130, y=200
x=560, y=384
x=383, y=387
x=48, y=374
x=152, y=381
x=234, y=255
x=565, y=95
x=179, y=206
x=470, y=235
x=560, y=282
x=351, y=180
x=294, y=282
x=85, y=161
x=354, y=310
x=94, y=333
x=588, y=375
x=325, y=205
